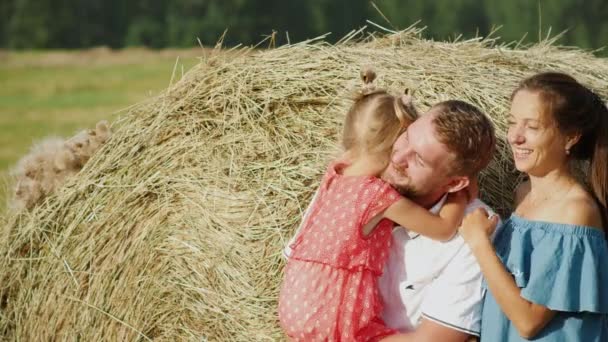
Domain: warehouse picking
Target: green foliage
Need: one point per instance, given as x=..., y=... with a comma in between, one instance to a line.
x=162, y=23
x=144, y=32
x=28, y=25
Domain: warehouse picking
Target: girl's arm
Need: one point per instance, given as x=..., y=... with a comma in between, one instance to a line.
x=440, y=227
x=529, y=318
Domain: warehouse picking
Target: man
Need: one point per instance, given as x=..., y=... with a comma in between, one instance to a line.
x=432, y=290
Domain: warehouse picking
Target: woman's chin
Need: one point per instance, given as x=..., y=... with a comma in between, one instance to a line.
x=521, y=166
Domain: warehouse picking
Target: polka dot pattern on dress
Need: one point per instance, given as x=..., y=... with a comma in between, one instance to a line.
x=329, y=292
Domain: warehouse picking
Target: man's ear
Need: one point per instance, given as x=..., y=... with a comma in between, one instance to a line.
x=457, y=183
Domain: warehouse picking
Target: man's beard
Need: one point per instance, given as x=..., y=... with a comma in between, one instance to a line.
x=406, y=191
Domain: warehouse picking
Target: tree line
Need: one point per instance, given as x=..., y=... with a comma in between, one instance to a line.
x=42, y=24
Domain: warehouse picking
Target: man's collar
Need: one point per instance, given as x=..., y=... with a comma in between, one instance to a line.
x=437, y=206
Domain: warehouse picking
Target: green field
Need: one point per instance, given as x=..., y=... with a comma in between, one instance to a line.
x=57, y=93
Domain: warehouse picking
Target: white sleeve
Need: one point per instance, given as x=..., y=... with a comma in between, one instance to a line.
x=454, y=298
x=287, y=250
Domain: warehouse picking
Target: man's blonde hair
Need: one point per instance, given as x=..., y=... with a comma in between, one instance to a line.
x=466, y=132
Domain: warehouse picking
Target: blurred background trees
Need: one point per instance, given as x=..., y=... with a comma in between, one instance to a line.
x=40, y=24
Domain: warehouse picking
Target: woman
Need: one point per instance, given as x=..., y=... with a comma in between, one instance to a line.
x=547, y=273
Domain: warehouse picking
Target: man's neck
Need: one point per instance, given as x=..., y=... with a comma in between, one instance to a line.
x=430, y=200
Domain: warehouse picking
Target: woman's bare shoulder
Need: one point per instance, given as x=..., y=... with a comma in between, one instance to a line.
x=580, y=208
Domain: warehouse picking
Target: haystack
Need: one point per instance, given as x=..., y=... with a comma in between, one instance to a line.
x=50, y=162
x=174, y=229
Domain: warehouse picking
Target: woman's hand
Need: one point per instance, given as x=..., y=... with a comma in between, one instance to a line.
x=477, y=227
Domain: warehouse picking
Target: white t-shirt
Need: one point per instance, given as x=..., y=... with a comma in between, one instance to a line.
x=440, y=281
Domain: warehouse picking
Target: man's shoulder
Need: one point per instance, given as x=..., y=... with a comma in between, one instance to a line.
x=477, y=203
x=454, y=251
x=419, y=247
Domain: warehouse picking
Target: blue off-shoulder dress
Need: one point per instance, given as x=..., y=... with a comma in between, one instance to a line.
x=559, y=266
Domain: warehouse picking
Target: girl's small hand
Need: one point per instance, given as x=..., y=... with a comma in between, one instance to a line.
x=477, y=227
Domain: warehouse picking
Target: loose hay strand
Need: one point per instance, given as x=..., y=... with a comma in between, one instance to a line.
x=109, y=315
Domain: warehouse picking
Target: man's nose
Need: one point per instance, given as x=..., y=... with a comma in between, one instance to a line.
x=399, y=158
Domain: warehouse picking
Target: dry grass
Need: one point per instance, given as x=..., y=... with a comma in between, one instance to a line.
x=57, y=93
x=174, y=230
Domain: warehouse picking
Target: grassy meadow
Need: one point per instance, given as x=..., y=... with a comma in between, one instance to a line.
x=57, y=93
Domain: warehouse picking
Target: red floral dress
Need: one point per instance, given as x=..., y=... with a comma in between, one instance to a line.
x=330, y=292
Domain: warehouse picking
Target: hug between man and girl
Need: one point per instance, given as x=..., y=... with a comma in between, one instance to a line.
x=395, y=245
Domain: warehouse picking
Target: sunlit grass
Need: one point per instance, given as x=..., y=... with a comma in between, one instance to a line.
x=56, y=93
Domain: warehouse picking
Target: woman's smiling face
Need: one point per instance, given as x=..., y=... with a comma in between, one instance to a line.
x=537, y=144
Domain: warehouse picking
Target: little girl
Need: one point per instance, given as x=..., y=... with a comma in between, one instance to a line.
x=329, y=292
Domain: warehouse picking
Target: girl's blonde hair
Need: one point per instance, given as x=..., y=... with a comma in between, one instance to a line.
x=375, y=120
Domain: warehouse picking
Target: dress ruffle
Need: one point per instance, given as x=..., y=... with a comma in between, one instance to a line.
x=562, y=267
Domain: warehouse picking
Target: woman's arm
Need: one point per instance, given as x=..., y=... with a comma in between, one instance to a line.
x=529, y=318
x=440, y=227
